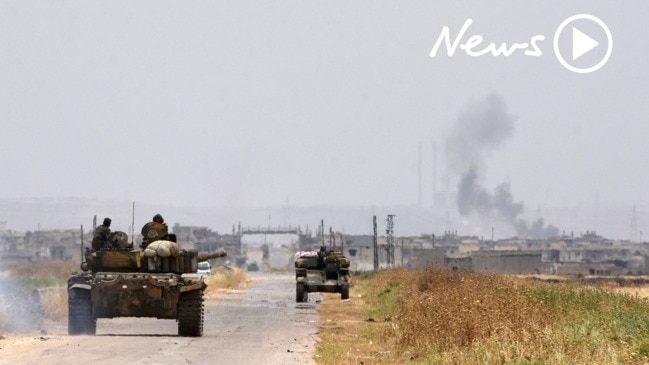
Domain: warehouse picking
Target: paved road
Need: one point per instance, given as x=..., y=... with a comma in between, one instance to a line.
x=261, y=325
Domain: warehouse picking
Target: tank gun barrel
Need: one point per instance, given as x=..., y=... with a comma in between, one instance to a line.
x=210, y=255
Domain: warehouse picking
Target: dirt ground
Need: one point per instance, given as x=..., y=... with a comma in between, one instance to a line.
x=260, y=325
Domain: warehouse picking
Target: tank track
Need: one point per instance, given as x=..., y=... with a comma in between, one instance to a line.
x=301, y=294
x=190, y=314
x=80, y=319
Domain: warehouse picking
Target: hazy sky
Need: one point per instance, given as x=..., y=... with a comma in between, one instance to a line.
x=251, y=103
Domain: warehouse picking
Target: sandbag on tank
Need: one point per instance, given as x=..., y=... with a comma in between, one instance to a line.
x=162, y=249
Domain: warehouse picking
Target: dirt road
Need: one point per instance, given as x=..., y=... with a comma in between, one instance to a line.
x=261, y=325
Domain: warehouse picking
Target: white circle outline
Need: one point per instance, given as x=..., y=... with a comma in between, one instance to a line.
x=609, y=48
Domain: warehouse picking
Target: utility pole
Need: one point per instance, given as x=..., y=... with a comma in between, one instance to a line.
x=419, y=176
x=376, y=247
x=390, y=235
x=435, y=202
x=133, y=224
x=633, y=235
x=82, y=255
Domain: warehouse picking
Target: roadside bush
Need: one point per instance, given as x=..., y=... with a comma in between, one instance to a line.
x=223, y=277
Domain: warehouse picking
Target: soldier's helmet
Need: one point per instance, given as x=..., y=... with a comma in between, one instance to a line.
x=107, y=222
x=158, y=218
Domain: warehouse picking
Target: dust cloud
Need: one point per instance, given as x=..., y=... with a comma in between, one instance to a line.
x=20, y=312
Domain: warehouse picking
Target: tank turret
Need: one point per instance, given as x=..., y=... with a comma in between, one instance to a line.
x=160, y=256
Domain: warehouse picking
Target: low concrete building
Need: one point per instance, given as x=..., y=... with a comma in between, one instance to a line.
x=511, y=262
x=427, y=257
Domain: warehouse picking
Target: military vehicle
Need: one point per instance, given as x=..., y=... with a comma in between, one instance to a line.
x=159, y=281
x=322, y=271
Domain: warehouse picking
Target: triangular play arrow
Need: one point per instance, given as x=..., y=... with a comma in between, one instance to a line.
x=581, y=43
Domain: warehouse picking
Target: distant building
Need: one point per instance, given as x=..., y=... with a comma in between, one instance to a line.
x=510, y=262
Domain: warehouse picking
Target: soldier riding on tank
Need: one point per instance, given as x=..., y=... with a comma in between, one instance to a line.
x=102, y=237
x=154, y=231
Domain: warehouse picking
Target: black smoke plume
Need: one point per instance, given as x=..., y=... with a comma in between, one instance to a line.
x=482, y=127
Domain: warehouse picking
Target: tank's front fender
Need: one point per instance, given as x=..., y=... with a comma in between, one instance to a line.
x=80, y=286
x=198, y=286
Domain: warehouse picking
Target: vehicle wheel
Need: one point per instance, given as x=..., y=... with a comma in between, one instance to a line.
x=80, y=319
x=190, y=314
x=301, y=294
x=344, y=292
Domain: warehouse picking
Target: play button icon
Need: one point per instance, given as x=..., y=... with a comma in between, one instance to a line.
x=583, y=43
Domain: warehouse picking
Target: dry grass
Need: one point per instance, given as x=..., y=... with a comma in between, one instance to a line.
x=55, y=303
x=224, y=278
x=46, y=268
x=640, y=292
x=347, y=335
x=482, y=308
x=450, y=317
x=43, y=274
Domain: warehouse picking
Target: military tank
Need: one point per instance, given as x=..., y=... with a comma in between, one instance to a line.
x=159, y=281
x=322, y=271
